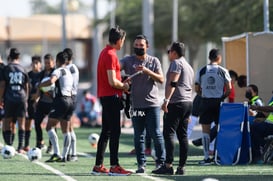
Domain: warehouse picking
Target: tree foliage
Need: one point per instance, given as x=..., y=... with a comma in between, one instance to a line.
x=42, y=7
x=200, y=21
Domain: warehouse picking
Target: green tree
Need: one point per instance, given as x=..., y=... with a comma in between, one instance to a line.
x=200, y=21
x=42, y=7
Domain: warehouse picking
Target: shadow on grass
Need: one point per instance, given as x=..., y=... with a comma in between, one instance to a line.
x=220, y=178
x=128, y=139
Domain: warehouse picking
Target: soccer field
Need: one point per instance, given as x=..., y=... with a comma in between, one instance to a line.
x=20, y=168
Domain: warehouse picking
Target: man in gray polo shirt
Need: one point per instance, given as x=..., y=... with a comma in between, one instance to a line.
x=145, y=101
x=177, y=107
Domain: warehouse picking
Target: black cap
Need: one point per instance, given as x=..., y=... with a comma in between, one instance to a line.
x=213, y=54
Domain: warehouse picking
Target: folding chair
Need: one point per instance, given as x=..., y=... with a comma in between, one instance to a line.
x=233, y=145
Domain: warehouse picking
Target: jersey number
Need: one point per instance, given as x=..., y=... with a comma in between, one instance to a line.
x=16, y=77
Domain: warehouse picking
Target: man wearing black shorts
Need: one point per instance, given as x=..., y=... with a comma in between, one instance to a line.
x=14, y=85
x=34, y=79
x=211, y=81
x=44, y=104
x=72, y=155
x=62, y=108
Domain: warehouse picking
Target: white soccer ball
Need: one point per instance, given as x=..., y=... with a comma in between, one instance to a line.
x=93, y=139
x=8, y=152
x=210, y=179
x=47, y=88
x=34, y=154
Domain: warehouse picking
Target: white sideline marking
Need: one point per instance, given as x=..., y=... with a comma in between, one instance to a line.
x=57, y=172
x=68, y=178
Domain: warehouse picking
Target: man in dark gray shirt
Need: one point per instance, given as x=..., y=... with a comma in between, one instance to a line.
x=14, y=88
x=177, y=107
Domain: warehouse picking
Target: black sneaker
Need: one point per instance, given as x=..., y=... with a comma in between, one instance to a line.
x=54, y=158
x=62, y=160
x=180, y=171
x=68, y=157
x=41, y=146
x=206, y=162
x=140, y=169
x=163, y=170
x=197, y=142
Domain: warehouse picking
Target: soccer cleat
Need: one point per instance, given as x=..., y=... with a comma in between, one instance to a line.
x=54, y=158
x=99, y=170
x=21, y=151
x=73, y=158
x=62, y=160
x=180, y=171
x=197, y=142
x=141, y=169
x=43, y=147
x=206, y=162
x=26, y=148
x=119, y=171
x=163, y=170
x=68, y=157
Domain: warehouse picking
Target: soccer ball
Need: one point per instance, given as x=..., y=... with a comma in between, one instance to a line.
x=47, y=88
x=8, y=152
x=34, y=154
x=210, y=179
x=93, y=139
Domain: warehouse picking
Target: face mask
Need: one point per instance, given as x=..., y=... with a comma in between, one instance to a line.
x=139, y=51
x=248, y=95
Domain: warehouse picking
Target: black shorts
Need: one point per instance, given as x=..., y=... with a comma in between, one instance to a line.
x=209, y=110
x=74, y=99
x=42, y=110
x=62, y=108
x=15, y=109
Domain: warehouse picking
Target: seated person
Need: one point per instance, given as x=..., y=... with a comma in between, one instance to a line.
x=253, y=99
x=260, y=129
x=87, y=115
